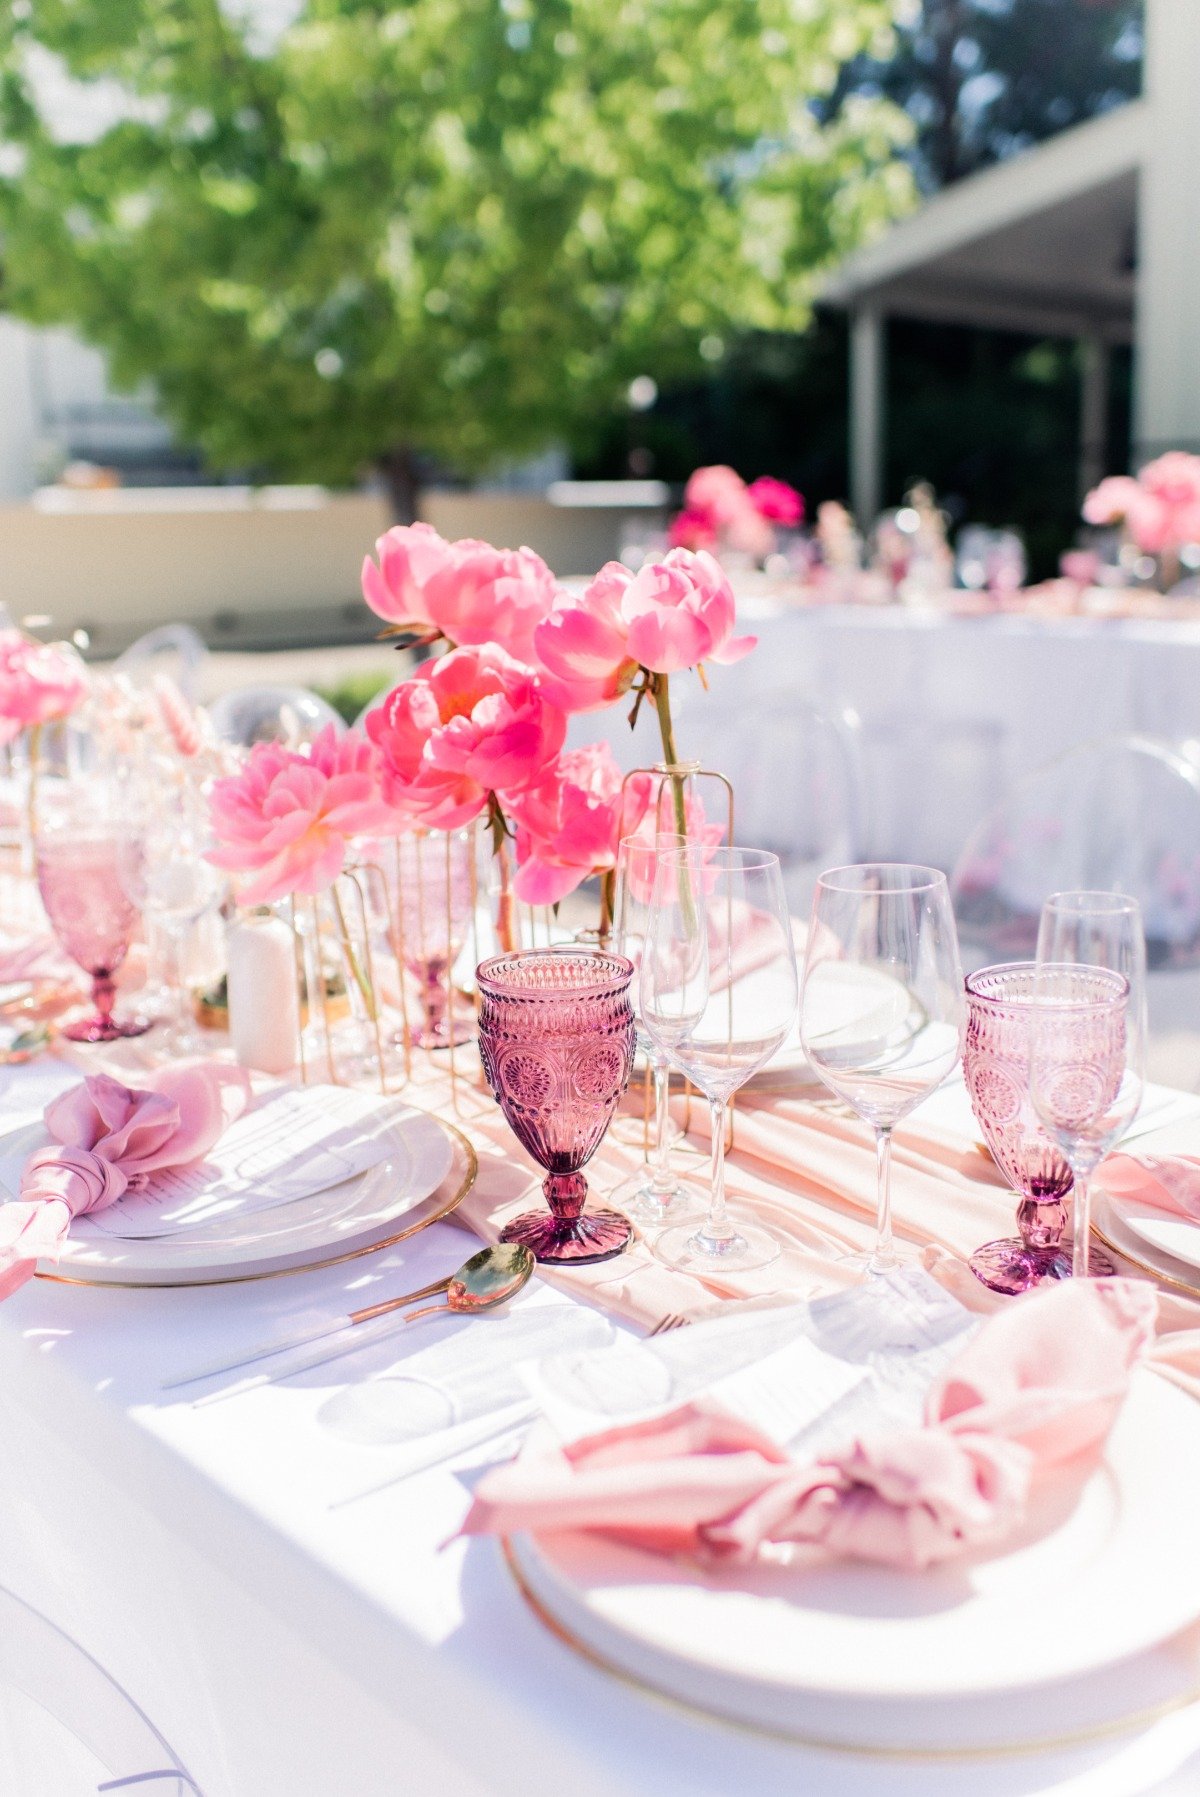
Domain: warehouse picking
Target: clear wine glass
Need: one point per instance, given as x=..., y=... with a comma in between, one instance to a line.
x=882, y=1012
x=1088, y=1042
x=655, y=1195
x=718, y=998
x=77, y=854
x=161, y=864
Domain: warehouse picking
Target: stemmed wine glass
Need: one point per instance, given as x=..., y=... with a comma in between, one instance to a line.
x=718, y=998
x=1088, y=1038
x=556, y=1040
x=77, y=856
x=881, y=1005
x=161, y=864
x=655, y=1196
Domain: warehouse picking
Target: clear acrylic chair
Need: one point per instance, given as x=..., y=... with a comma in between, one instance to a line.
x=174, y=649
x=797, y=781
x=1121, y=814
x=276, y=714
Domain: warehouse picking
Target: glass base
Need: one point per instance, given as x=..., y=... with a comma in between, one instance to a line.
x=871, y=1263
x=104, y=1029
x=593, y=1235
x=422, y=1035
x=654, y=1210
x=690, y=1250
x=1011, y=1266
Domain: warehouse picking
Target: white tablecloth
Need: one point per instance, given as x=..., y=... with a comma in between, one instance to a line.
x=208, y=1602
x=952, y=711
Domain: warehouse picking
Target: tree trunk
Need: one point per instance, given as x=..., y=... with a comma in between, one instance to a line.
x=399, y=469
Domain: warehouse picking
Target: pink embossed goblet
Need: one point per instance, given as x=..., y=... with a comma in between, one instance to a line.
x=996, y=1067
x=556, y=1037
x=86, y=902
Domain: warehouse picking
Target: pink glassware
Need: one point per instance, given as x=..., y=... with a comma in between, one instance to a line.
x=94, y=920
x=996, y=1069
x=1001, y=1003
x=432, y=887
x=556, y=1037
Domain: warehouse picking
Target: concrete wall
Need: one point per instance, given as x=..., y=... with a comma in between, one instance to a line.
x=266, y=568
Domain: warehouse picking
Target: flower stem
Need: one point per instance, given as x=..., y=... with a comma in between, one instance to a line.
x=360, y=978
x=662, y=704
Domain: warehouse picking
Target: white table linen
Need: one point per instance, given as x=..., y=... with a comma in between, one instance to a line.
x=288, y=1643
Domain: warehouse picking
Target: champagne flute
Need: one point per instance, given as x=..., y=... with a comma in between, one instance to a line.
x=656, y=1196
x=718, y=998
x=882, y=1013
x=1088, y=1041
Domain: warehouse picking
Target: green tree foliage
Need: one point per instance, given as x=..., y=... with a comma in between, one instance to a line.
x=389, y=229
x=983, y=78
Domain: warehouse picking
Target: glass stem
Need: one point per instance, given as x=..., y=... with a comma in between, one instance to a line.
x=883, y=1165
x=1083, y=1226
x=662, y=1181
x=717, y=1227
x=181, y=1022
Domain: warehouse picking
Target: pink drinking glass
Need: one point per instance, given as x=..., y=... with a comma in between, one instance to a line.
x=1000, y=1004
x=93, y=918
x=556, y=1037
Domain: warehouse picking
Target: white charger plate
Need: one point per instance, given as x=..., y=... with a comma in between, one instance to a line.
x=346, y=1218
x=1111, y=1225
x=798, y=1650
x=1173, y=1236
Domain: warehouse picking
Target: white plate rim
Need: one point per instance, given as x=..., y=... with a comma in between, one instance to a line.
x=1145, y=1625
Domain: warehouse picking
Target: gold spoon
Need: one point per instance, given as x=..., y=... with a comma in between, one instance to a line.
x=488, y=1278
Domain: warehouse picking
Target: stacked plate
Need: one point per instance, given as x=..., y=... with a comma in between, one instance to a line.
x=408, y=1187
x=1087, y=1624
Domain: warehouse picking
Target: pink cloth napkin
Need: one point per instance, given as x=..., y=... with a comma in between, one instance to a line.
x=1038, y=1387
x=107, y=1139
x=1166, y=1182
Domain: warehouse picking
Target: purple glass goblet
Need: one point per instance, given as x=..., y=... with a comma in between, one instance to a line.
x=85, y=900
x=1000, y=1004
x=556, y=1037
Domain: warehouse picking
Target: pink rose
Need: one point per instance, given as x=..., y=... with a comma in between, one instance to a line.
x=474, y=722
x=39, y=682
x=776, y=501
x=567, y=824
x=286, y=816
x=409, y=555
x=671, y=615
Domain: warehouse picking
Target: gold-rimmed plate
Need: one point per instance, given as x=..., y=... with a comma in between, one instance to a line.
x=429, y=1171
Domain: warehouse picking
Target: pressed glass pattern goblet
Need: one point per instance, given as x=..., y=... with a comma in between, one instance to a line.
x=1000, y=1003
x=556, y=1037
x=94, y=920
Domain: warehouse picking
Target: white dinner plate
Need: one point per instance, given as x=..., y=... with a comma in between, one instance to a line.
x=1092, y=1580
x=1173, y=1236
x=1110, y=1220
x=340, y=1220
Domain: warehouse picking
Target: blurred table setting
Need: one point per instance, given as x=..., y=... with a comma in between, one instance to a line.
x=501, y=1285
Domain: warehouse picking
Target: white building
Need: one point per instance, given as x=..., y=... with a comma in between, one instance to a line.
x=1094, y=234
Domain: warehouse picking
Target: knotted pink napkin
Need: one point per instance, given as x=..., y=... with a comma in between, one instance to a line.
x=1166, y=1182
x=1040, y=1385
x=110, y=1138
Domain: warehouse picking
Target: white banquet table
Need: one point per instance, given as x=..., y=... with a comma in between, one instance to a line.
x=284, y=1635
x=951, y=711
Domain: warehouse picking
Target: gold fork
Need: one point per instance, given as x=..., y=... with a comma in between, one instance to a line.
x=671, y=1321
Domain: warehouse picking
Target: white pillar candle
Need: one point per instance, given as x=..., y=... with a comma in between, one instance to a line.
x=264, y=1005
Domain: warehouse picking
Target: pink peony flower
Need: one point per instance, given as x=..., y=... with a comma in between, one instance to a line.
x=692, y=530
x=1160, y=509
x=671, y=615
x=474, y=722
x=776, y=501
x=39, y=682
x=717, y=493
x=409, y=556
x=485, y=595
x=567, y=824
x=286, y=816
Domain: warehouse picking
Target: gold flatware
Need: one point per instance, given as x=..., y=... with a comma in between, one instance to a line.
x=671, y=1321
x=488, y=1278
